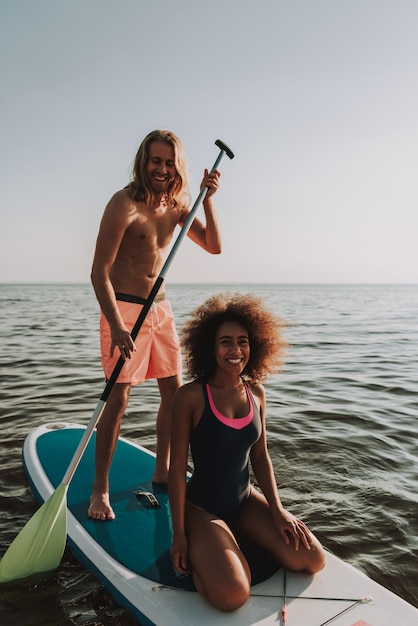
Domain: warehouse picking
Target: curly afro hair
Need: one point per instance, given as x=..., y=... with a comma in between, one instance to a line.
x=198, y=335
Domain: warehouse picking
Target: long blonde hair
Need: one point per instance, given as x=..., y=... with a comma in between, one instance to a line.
x=139, y=188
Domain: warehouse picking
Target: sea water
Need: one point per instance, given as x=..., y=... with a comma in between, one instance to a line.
x=341, y=420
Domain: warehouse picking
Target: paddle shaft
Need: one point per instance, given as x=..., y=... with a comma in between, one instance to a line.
x=94, y=420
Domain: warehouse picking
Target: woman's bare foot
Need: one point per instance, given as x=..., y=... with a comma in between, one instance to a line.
x=100, y=507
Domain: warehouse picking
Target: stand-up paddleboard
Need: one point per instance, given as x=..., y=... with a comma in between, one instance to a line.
x=131, y=555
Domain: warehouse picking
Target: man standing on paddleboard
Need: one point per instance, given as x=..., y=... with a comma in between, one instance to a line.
x=132, y=245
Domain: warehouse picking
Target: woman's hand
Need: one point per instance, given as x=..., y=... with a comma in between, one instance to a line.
x=179, y=554
x=290, y=527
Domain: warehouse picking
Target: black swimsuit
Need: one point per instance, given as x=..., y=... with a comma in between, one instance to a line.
x=220, y=448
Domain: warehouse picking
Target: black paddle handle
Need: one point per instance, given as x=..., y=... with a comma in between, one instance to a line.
x=222, y=146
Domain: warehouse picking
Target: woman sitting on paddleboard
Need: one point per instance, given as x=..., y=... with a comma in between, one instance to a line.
x=231, y=343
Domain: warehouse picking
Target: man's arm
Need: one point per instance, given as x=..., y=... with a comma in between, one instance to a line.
x=207, y=237
x=113, y=226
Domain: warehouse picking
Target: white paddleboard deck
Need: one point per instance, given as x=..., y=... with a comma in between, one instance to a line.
x=130, y=555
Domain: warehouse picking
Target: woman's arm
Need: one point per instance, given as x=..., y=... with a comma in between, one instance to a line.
x=286, y=523
x=181, y=426
x=260, y=458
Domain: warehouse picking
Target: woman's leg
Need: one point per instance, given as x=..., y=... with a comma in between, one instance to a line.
x=220, y=570
x=256, y=522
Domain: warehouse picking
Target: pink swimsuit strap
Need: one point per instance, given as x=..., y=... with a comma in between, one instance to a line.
x=232, y=422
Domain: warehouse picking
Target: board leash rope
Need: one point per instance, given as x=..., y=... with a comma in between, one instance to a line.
x=284, y=607
x=354, y=601
x=344, y=611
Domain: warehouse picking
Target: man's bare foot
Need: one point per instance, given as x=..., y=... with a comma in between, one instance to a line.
x=100, y=507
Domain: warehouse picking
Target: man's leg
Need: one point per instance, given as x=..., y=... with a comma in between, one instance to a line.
x=106, y=438
x=168, y=387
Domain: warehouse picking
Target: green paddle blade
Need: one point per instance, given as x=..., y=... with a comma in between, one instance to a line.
x=40, y=544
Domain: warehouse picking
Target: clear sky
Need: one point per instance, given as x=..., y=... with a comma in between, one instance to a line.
x=317, y=98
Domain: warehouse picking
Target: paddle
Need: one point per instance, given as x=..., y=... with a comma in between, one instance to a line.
x=40, y=544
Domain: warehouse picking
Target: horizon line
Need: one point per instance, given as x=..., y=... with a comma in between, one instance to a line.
x=229, y=282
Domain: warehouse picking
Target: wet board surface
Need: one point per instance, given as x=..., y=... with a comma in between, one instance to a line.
x=131, y=555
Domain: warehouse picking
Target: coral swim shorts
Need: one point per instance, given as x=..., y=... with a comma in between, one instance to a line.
x=157, y=352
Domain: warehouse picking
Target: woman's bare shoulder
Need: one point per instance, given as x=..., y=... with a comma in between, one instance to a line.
x=258, y=391
x=190, y=390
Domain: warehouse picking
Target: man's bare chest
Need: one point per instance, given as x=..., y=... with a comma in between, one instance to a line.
x=152, y=231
